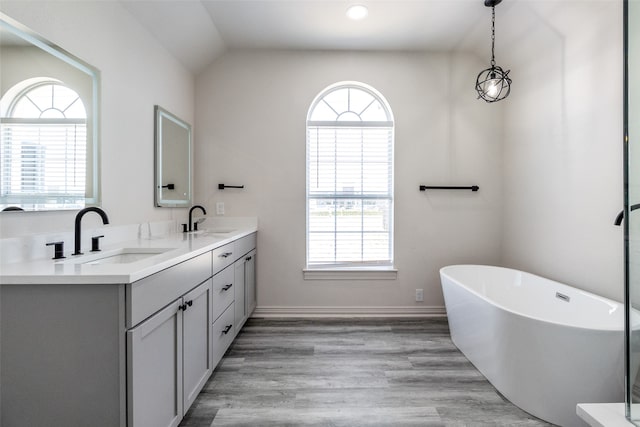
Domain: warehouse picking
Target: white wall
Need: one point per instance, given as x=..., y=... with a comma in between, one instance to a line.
x=563, y=144
x=137, y=73
x=250, y=129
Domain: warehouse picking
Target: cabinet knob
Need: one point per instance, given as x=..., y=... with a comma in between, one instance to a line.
x=226, y=288
x=227, y=329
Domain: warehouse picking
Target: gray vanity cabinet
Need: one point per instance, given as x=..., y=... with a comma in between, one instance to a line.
x=122, y=355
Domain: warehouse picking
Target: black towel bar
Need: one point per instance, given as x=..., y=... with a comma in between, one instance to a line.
x=445, y=187
x=223, y=186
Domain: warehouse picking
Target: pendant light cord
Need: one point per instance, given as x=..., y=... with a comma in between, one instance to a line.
x=493, y=36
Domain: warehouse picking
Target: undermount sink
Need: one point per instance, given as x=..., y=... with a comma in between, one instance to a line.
x=118, y=256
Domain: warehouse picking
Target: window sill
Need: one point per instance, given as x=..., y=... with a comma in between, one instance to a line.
x=351, y=274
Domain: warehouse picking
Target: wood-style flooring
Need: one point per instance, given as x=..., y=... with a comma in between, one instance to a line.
x=351, y=373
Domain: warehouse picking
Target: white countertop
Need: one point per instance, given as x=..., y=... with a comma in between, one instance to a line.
x=603, y=414
x=182, y=246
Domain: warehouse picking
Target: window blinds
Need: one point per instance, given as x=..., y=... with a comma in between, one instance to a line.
x=44, y=162
x=349, y=194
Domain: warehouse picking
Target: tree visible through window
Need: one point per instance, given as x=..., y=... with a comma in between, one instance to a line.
x=349, y=178
x=43, y=148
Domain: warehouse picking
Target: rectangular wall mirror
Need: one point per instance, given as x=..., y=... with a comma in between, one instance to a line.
x=49, y=145
x=173, y=160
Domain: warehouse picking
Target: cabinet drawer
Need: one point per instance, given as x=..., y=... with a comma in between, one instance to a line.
x=148, y=295
x=223, y=256
x=245, y=244
x=223, y=291
x=223, y=332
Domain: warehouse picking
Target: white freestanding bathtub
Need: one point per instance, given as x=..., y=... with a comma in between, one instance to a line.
x=544, y=345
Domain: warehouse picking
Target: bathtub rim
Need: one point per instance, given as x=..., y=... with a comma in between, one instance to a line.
x=534, y=318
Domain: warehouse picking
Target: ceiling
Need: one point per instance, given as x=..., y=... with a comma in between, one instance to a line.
x=196, y=32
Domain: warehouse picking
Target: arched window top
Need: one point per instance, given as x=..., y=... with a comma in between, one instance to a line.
x=350, y=102
x=43, y=148
x=47, y=99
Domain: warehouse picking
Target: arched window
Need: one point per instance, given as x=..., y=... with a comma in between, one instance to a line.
x=349, y=178
x=43, y=147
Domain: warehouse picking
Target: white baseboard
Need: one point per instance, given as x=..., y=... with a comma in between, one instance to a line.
x=316, y=311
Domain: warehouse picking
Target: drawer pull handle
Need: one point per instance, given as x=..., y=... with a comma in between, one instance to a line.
x=227, y=329
x=248, y=258
x=226, y=288
x=225, y=255
x=182, y=307
x=190, y=303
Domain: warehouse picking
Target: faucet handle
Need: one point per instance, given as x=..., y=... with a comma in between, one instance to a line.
x=95, y=243
x=58, y=250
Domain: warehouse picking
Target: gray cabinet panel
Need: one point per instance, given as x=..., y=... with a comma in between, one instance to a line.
x=154, y=370
x=240, y=305
x=245, y=284
x=250, y=282
x=197, y=357
x=63, y=355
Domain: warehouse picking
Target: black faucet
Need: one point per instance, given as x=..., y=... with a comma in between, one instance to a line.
x=103, y=215
x=191, y=214
x=620, y=216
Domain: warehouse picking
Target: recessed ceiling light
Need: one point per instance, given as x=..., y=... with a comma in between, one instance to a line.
x=357, y=12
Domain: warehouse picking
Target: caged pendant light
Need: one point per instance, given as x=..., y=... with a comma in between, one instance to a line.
x=493, y=84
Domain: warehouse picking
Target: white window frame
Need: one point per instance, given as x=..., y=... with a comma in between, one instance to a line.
x=337, y=270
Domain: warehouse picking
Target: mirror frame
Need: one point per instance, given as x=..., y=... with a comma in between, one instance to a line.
x=22, y=31
x=160, y=199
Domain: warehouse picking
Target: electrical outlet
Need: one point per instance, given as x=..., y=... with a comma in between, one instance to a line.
x=419, y=295
x=220, y=208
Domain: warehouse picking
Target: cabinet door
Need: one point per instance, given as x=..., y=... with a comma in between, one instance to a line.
x=240, y=305
x=250, y=281
x=154, y=370
x=196, y=338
